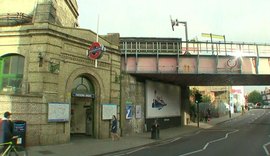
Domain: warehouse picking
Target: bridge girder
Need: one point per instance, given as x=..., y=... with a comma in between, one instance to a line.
x=206, y=79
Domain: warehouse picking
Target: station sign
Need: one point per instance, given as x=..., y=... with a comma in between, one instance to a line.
x=95, y=50
x=83, y=95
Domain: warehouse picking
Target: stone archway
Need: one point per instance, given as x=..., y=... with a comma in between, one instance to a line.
x=82, y=106
x=98, y=86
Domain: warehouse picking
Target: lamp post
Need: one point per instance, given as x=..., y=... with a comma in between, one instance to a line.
x=176, y=23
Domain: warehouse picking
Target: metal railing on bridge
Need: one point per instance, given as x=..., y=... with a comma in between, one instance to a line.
x=175, y=46
x=197, y=63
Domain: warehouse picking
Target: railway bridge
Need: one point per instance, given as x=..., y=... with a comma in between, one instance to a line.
x=201, y=64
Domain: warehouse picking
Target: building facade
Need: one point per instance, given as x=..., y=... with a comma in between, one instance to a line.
x=266, y=95
x=44, y=65
x=48, y=80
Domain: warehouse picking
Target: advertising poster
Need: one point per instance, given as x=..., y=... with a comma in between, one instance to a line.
x=162, y=100
x=138, y=111
x=108, y=110
x=128, y=111
x=58, y=112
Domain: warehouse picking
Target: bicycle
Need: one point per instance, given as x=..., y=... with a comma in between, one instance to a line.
x=12, y=149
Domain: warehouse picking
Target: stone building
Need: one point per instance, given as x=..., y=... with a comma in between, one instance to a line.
x=44, y=69
x=48, y=80
x=266, y=96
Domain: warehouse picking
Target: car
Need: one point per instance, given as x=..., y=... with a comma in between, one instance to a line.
x=250, y=106
x=266, y=106
x=258, y=105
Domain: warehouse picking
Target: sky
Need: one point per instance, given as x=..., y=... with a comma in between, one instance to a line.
x=238, y=20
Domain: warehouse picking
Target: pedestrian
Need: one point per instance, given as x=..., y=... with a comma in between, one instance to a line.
x=205, y=116
x=209, y=114
x=114, y=133
x=243, y=110
x=6, y=129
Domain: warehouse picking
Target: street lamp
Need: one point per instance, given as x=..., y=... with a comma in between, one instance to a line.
x=176, y=23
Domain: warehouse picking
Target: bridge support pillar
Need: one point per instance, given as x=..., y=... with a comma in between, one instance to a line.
x=185, y=104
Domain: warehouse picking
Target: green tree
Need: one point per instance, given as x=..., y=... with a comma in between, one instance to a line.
x=255, y=97
x=193, y=91
x=206, y=99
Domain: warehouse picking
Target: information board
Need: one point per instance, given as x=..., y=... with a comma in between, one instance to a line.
x=58, y=112
x=108, y=110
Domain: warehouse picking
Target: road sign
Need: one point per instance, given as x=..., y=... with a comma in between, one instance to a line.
x=213, y=36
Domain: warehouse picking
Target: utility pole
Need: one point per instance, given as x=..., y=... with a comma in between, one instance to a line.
x=176, y=23
x=198, y=100
x=198, y=114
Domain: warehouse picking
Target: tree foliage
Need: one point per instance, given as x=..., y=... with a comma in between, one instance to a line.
x=255, y=97
x=199, y=97
x=206, y=99
x=193, y=92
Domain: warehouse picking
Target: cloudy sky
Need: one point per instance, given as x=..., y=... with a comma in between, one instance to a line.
x=238, y=20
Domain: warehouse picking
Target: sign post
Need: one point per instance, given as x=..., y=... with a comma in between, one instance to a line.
x=198, y=114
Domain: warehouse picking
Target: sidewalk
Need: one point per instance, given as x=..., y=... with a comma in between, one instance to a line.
x=87, y=146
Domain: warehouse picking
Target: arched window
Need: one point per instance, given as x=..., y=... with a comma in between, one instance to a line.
x=82, y=87
x=11, y=73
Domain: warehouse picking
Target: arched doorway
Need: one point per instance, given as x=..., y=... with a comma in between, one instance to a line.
x=82, y=107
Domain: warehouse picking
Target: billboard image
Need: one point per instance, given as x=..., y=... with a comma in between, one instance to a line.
x=162, y=100
x=129, y=111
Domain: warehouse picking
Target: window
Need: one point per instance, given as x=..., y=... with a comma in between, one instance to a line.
x=82, y=84
x=82, y=87
x=11, y=73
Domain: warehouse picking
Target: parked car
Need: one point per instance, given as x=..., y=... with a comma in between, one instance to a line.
x=258, y=105
x=266, y=106
x=250, y=106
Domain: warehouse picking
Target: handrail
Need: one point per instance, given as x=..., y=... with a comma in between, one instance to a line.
x=173, y=46
x=15, y=18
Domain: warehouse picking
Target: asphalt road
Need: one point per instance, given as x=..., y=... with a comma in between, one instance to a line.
x=245, y=135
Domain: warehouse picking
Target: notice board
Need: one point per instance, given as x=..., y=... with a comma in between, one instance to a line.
x=108, y=110
x=58, y=112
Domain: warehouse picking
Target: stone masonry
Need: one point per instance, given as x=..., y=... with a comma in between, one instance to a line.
x=48, y=42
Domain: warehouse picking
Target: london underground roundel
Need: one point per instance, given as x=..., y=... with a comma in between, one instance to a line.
x=232, y=62
x=95, y=50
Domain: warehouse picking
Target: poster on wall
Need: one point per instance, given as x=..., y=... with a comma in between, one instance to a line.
x=128, y=111
x=58, y=112
x=108, y=110
x=162, y=100
x=138, y=111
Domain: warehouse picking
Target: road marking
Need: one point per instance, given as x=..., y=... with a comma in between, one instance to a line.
x=208, y=143
x=136, y=150
x=264, y=147
x=125, y=153
x=198, y=132
x=168, y=141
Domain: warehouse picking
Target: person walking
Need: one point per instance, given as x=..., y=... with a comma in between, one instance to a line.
x=209, y=114
x=114, y=133
x=205, y=116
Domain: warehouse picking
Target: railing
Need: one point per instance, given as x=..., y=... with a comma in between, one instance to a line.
x=174, y=46
x=150, y=45
x=15, y=18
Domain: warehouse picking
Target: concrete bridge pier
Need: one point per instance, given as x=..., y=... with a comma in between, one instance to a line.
x=185, y=105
